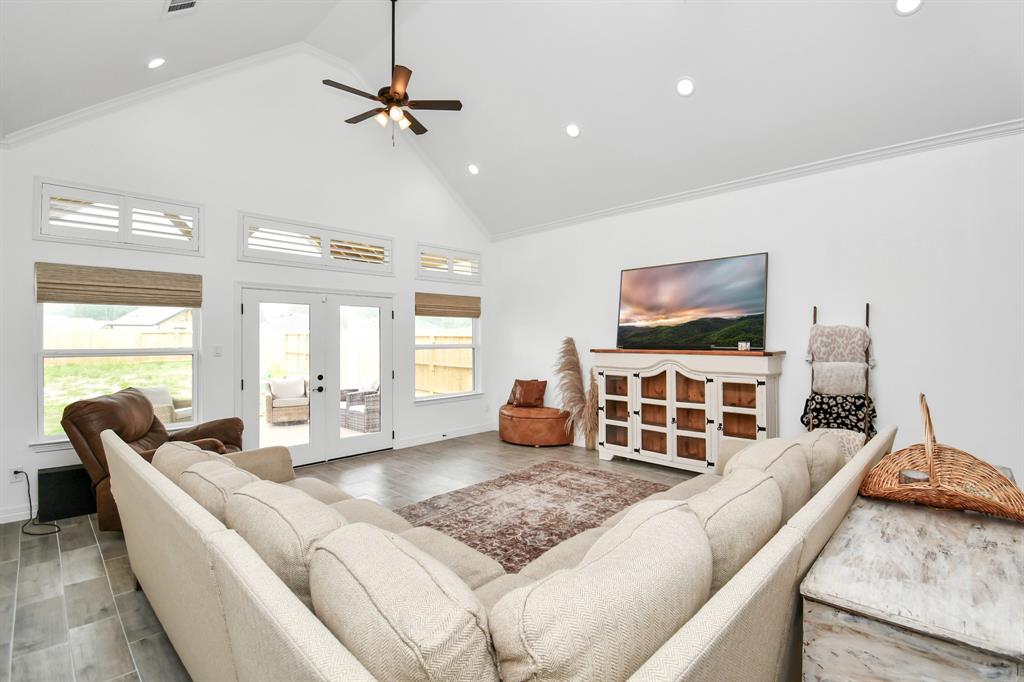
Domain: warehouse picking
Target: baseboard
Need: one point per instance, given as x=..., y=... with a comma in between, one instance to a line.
x=443, y=435
x=19, y=512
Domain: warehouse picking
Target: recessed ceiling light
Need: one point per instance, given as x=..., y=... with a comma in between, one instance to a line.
x=473, y=170
x=572, y=130
x=156, y=63
x=905, y=7
x=685, y=87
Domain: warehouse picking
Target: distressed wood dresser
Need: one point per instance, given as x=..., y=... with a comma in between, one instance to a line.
x=903, y=592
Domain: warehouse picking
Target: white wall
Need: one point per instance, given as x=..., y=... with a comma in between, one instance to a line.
x=265, y=138
x=934, y=241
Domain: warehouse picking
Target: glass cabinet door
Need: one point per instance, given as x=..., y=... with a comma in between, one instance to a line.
x=652, y=413
x=692, y=421
x=616, y=418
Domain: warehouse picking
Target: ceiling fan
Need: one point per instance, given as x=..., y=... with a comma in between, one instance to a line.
x=395, y=98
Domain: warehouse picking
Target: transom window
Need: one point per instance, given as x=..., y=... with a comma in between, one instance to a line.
x=446, y=264
x=271, y=240
x=83, y=215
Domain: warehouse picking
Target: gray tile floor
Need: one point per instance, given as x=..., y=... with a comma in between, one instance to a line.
x=68, y=607
x=70, y=610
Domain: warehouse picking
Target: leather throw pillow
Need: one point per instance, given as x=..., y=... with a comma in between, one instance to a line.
x=528, y=393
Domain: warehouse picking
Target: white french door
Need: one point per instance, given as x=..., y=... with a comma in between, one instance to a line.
x=316, y=373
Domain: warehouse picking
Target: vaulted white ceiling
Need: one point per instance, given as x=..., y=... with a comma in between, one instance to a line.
x=779, y=83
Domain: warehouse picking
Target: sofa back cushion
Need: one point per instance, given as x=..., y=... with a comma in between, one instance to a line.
x=638, y=584
x=173, y=457
x=783, y=460
x=740, y=514
x=824, y=454
x=402, y=613
x=211, y=483
x=282, y=524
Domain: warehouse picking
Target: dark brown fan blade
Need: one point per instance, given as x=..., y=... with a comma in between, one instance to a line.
x=363, y=116
x=416, y=126
x=438, y=104
x=354, y=91
x=400, y=81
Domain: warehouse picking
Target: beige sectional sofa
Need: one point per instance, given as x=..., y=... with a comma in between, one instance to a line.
x=257, y=575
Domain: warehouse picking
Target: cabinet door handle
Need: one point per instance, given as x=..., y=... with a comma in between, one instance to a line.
x=673, y=420
x=720, y=427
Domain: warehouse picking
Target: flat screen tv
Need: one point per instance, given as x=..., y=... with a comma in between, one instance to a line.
x=712, y=304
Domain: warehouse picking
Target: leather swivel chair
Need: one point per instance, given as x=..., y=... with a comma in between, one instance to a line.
x=129, y=414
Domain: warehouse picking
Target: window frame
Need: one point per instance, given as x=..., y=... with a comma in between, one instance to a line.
x=126, y=201
x=326, y=234
x=477, y=364
x=451, y=254
x=43, y=354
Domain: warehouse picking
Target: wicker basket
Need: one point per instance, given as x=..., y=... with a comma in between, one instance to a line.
x=957, y=480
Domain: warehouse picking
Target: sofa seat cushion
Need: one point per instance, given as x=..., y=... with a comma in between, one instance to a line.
x=367, y=511
x=282, y=524
x=783, y=460
x=173, y=457
x=401, y=612
x=678, y=492
x=289, y=402
x=472, y=567
x=491, y=593
x=567, y=554
x=740, y=515
x=823, y=451
x=636, y=586
x=318, y=490
x=211, y=483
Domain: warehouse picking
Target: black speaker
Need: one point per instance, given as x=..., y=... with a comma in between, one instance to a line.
x=65, y=492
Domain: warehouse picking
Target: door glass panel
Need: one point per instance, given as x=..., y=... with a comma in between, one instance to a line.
x=654, y=386
x=739, y=395
x=284, y=374
x=359, y=370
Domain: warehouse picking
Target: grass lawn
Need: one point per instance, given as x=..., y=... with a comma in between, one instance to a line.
x=66, y=380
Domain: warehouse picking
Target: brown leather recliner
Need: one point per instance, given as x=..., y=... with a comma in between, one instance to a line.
x=129, y=414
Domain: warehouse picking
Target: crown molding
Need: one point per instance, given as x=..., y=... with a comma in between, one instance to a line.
x=23, y=135
x=987, y=132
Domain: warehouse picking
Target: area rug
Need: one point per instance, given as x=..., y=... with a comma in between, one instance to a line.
x=517, y=517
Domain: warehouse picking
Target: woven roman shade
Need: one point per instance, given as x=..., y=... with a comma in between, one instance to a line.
x=446, y=305
x=58, y=283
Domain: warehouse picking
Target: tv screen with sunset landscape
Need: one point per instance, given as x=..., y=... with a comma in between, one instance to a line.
x=706, y=305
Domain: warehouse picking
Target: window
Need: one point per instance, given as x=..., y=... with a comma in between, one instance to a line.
x=449, y=265
x=95, y=349
x=447, y=345
x=105, y=329
x=269, y=240
x=83, y=215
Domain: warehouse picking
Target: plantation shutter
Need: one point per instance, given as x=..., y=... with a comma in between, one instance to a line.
x=447, y=305
x=59, y=283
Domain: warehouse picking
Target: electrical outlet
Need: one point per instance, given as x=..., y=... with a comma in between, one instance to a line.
x=12, y=475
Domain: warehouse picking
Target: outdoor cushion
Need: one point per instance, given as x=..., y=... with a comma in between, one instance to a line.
x=567, y=554
x=636, y=586
x=368, y=511
x=289, y=402
x=473, y=567
x=317, y=489
x=401, y=612
x=158, y=395
x=173, y=457
x=785, y=461
x=282, y=524
x=739, y=514
x=288, y=388
x=210, y=484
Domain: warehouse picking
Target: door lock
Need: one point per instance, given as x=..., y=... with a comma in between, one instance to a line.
x=319, y=389
x=319, y=377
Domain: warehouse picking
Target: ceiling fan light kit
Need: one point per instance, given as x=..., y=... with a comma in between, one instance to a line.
x=395, y=97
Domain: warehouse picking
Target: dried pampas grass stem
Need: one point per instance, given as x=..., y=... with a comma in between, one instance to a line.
x=570, y=384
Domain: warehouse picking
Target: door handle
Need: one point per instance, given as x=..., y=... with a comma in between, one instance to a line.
x=319, y=389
